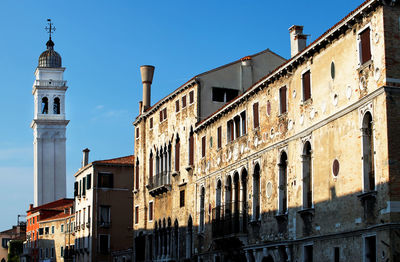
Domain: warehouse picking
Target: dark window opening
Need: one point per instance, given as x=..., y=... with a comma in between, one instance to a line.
x=191, y=97
x=103, y=244
x=368, y=153
x=182, y=198
x=75, y=189
x=88, y=181
x=183, y=101
x=202, y=210
x=219, y=137
x=84, y=186
x=137, y=132
x=243, y=118
x=191, y=148
x=255, y=115
x=177, y=106
x=45, y=105
x=336, y=254
x=56, y=106
x=151, y=167
x=365, y=46
x=177, y=154
x=306, y=85
x=307, y=176
x=151, y=211
x=163, y=114
x=282, y=98
x=137, y=175
x=151, y=122
x=105, y=180
x=370, y=249
x=283, y=184
x=203, y=146
x=223, y=94
x=136, y=215
x=256, y=193
x=308, y=253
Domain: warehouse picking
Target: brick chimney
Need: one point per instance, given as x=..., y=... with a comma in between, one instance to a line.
x=298, y=40
x=85, y=159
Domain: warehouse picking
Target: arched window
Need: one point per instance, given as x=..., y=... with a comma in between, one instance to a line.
x=282, y=205
x=307, y=176
x=236, y=203
x=189, y=238
x=137, y=174
x=228, y=197
x=45, y=105
x=56, y=106
x=368, y=152
x=218, y=197
x=202, y=211
x=256, y=193
x=151, y=168
x=177, y=153
x=244, y=200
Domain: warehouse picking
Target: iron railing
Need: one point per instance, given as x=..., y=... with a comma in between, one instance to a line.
x=159, y=180
x=229, y=218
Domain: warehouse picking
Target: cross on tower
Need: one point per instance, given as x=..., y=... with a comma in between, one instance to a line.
x=50, y=28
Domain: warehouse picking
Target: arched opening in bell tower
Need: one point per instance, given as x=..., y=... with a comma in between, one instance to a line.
x=45, y=105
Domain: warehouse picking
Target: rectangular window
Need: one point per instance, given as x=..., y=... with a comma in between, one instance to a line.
x=308, y=253
x=151, y=211
x=183, y=101
x=137, y=175
x=52, y=229
x=282, y=99
x=182, y=198
x=177, y=154
x=137, y=132
x=219, y=137
x=306, y=80
x=80, y=187
x=177, y=106
x=370, y=249
x=105, y=180
x=4, y=242
x=89, y=181
x=203, y=146
x=191, y=149
x=336, y=255
x=105, y=216
x=40, y=231
x=230, y=129
x=255, y=115
x=365, y=46
x=46, y=230
x=52, y=252
x=62, y=228
x=41, y=253
x=223, y=94
x=75, y=189
x=103, y=244
x=84, y=186
x=243, y=118
x=62, y=251
x=236, y=121
x=191, y=97
x=151, y=168
x=151, y=123
x=163, y=114
x=47, y=252
x=136, y=214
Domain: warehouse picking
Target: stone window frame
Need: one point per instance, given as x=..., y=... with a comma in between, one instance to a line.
x=358, y=44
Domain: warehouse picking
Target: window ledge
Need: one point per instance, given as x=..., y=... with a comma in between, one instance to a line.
x=306, y=212
x=283, y=115
x=135, y=191
x=369, y=195
x=306, y=102
x=175, y=173
x=190, y=167
x=363, y=66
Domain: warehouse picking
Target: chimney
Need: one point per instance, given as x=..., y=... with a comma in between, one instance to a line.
x=147, y=72
x=85, y=160
x=298, y=40
x=140, y=107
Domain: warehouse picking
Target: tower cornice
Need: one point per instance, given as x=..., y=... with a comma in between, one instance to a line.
x=48, y=122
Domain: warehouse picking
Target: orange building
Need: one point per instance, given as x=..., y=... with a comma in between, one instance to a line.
x=35, y=215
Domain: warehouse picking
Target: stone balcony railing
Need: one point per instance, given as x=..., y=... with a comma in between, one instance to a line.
x=52, y=83
x=160, y=183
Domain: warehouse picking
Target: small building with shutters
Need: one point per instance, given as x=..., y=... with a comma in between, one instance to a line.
x=103, y=208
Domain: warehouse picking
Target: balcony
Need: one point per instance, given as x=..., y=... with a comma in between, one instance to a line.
x=159, y=183
x=52, y=83
x=229, y=220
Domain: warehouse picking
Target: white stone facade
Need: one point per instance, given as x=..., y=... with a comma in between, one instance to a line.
x=49, y=131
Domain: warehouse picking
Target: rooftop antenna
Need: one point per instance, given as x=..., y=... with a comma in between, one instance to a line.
x=50, y=28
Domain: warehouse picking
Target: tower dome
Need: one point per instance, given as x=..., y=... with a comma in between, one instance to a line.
x=50, y=58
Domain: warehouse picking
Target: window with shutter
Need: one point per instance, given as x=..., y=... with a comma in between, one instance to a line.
x=137, y=175
x=177, y=154
x=183, y=101
x=89, y=181
x=365, y=45
x=255, y=115
x=282, y=96
x=219, y=136
x=306, y=86
x=136, y=214
x=151, y=123
x=150, y=211
x=203, y=146
x=177, y=106
x=191, y=149
x=243, y=119
x=75, y=189
x=151, y=168
x=191, y=97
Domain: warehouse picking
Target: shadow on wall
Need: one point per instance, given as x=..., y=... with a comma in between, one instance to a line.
x=237, y=231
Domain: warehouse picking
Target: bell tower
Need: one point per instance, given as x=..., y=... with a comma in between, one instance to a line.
x=49, y=126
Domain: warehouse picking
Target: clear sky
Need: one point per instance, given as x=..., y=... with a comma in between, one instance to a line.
x=102, y=44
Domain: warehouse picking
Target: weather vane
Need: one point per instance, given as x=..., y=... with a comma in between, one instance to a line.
x=50, y=28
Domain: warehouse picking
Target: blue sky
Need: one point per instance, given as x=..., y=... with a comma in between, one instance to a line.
x=102, y=44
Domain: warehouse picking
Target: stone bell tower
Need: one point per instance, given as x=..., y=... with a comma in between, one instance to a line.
x=49, y=126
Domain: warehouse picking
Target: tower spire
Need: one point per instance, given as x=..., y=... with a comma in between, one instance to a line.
x=50, y=28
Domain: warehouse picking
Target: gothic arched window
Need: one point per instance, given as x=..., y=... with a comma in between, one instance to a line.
x=202, y=211
x=45, y=105
x=256, y=193
x=56, y=106
x=307, y=176
x=368, y=153
x=283, y=184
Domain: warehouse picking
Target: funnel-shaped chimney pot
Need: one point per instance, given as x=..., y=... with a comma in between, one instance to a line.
x=146, y=72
